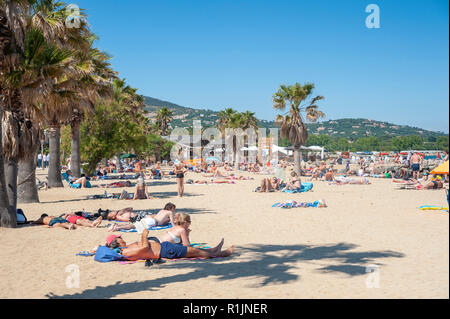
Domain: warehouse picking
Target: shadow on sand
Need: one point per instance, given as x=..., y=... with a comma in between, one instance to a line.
x=267, y=264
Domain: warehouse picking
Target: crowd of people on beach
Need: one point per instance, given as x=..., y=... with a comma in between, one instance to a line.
x=175, y=243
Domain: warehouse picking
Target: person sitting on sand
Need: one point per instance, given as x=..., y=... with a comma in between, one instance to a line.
x=82, y=221
x=294, y=183
x=73, y=180
x=163, y=217
x=145, y=249
x=141, y=190
x=52, y=222
x=269, y=184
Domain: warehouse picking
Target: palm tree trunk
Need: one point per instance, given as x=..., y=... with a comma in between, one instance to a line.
x=27, y=191
x=75, y=160
x=54, y=168
x=297, y=159
x=7, y=213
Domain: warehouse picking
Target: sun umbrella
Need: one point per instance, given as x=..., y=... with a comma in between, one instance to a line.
x=441, y=169
x=128, y=156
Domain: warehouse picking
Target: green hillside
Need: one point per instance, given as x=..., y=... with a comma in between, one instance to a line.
x=351, y=129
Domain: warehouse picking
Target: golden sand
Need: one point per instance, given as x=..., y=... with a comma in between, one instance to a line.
x=280, y=253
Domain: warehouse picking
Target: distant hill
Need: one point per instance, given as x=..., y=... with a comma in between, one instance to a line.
x=348, y=128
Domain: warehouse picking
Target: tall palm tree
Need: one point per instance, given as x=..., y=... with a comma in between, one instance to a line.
x=293, y=126
x=164, y=117
x=249, y=121
x=12, y=41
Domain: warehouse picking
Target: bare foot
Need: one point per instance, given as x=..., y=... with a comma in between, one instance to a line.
x=227, y=252
x=97, y=222
x=113, y=227
x=218, y=248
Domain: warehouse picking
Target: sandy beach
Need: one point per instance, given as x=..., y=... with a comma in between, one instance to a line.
x=280, y=253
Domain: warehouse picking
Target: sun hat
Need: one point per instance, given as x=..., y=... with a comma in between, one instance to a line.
x=111, y=238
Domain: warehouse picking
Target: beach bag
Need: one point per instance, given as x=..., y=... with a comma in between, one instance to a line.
x=105, y=254
x=21, y=219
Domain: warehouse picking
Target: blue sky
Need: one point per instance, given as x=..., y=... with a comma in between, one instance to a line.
x=236, y=53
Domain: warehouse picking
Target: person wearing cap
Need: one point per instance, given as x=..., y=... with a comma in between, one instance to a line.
x=435, y=183
x=145, y=249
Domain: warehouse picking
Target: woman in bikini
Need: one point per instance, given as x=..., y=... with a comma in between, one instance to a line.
x=294, y=183
x=179, y=234
x=179, y=171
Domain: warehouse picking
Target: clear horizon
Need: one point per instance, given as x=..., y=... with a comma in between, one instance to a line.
x=218, y=54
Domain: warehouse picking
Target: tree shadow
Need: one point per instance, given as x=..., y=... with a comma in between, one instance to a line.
x=267, y=264
x=171, y=194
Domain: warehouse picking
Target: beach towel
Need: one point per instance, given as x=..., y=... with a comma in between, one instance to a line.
x=304, y=188
x=151, y=228
x=294, y=204
x=431, y=207
x=105, y=254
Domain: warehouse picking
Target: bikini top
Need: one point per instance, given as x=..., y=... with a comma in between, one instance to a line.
x=176, y=240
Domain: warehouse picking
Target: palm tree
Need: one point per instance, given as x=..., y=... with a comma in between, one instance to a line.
x=249, y=121
x=293, y=125
x=12, y=42
x=163, y=119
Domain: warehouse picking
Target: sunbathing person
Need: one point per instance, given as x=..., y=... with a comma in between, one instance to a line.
x=117, y=185
x=52, y=222
x=179, y=234
x=213, y=182
x=269, y=184
x=145, y=249
x=141, y=190
x=123, y=215
x=341, y=180
x=294, y=183
x=146, y=220
x=82, y=221
x=73, y=180
x=435, y=183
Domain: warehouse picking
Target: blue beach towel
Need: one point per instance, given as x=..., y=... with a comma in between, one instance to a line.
x=304, y=188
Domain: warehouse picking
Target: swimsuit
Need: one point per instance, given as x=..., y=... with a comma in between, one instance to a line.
x=145, y=223
x=180, y=175
x=415, y=167
x=73, y=219
x=57, y=220
x=171, y=251
x=176, y=240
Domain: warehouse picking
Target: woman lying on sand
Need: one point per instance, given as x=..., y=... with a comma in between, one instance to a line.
x=179, y=234
x=341, y=180
x=117, y=184
x=123, y=215
x=82, y=221
x=163, y=217
x=145, y=249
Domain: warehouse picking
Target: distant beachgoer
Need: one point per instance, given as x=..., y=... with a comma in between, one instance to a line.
x=294, y=183
x=179, y=171
x=52, y=222
x=269, y=184
x=163, y=217
x=414, y=164
x=141, y=190
x=82, y=221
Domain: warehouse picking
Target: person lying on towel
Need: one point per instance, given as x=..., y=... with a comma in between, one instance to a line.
x=146, y=220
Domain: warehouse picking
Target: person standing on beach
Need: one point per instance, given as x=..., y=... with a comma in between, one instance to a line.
x=414, y=164
x=179, y=171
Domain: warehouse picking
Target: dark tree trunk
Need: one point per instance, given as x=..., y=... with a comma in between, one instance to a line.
x=297, y=159
x=11, y=171
x=7, y=213
x=27, y=191
x=75, y=159
x=54, y=169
